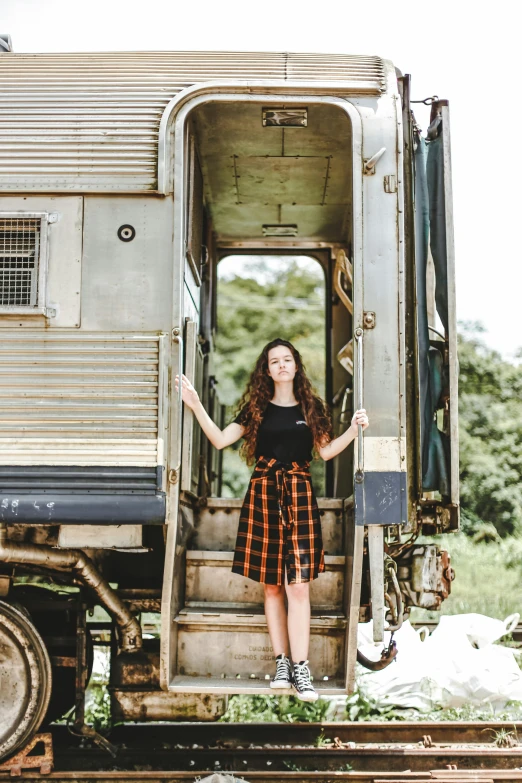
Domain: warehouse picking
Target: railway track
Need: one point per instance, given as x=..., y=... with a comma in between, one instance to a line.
x=273, y=753
x=434, y=776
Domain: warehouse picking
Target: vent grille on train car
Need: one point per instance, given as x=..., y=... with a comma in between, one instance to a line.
x=19, y=261
x=80, y=399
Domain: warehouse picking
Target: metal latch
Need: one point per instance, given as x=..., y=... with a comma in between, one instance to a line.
x=370, y=163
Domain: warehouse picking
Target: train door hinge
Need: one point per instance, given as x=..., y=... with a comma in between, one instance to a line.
x=369, y=319
x=390, y=183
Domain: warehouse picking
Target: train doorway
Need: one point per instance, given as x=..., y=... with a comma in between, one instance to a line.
x=261, y=181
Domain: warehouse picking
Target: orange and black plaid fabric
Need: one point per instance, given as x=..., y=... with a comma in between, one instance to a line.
x=279, y=526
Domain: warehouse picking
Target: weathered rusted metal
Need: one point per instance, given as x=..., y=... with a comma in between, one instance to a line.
x=76, y=562
x=25, y=678
x=136, y=693
x=387, y=656
x=27, y=759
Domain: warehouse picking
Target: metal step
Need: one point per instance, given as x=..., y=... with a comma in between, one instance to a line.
x=209, y=579
x=216, y=525
x=227, y=644
x=216, y=686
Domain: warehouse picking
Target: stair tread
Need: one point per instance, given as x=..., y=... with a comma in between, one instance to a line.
x=230, y=685
x=250, y=616
x=213, y=554
x=245, y=607
x=325, y=503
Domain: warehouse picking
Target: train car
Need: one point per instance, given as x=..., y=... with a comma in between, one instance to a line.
x=126, y=178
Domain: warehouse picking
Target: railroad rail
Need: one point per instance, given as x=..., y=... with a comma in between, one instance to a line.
x=379, y=752
x=434, y=776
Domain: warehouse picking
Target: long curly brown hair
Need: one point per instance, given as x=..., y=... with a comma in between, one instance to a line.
x=259, y=392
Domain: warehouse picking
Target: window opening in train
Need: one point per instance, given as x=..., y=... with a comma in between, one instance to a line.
x=259, y=298
x=23, y=263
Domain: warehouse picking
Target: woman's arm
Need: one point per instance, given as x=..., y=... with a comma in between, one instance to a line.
x=218, y=438
x=337, y=445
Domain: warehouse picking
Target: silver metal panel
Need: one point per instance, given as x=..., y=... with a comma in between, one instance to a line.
x=376, y=556
x=217, y=643
x=378, y=288
x=100, y=536
x=354, y=571
x=91, y=121
x=209, y=580
x=216, y=527
x=452, y=311
x=127, y=284
x=70, y=398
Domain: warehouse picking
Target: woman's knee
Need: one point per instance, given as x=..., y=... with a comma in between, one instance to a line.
x=298, y=592
x=273, y=591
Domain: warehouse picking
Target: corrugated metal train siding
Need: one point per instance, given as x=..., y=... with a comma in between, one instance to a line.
x=80, y=400
x=91, y=121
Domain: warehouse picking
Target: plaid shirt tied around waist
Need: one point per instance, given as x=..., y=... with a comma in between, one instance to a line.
x=282, y=471
x=279, y=527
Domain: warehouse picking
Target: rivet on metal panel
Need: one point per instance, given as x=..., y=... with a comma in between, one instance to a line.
x=369, y=319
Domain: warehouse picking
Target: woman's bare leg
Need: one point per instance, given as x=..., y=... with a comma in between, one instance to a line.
x=299, y=620
x=276, y=619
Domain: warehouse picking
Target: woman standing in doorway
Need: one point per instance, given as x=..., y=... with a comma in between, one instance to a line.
x=279, y=539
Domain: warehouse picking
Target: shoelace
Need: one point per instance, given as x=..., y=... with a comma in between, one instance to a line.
x=282, y=669
x=302, y=676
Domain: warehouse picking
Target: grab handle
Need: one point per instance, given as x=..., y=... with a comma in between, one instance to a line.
x=359, y=473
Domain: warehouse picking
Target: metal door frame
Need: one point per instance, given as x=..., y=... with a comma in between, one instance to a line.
x=175, y=118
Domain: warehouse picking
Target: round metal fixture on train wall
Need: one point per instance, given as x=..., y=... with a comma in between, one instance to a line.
x=25, y=679
x=126, y=233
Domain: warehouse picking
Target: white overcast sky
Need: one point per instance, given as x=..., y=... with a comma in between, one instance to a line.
x=468, y=52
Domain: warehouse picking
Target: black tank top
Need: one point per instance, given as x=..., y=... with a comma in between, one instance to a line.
x=283, y=434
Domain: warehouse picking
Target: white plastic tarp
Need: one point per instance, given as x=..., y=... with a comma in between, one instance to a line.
x=457, y=664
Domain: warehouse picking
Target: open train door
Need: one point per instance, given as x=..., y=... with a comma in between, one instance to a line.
x=427, y=493
x=439, y=436
x=436, y=327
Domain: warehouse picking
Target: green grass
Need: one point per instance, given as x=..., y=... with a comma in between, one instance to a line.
x=488, y=578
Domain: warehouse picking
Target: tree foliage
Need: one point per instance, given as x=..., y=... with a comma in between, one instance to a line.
x=286, y=298
x=283, y=297
x=263, y=303
x=490, y=423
